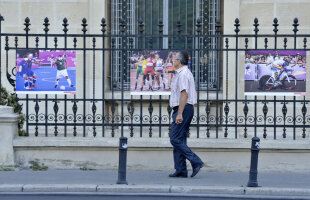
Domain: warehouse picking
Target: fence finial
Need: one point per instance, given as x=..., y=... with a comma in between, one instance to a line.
x=237, y=25
x=16, y=41
x=295, y=25
x=275, y=24
x=103, y=25
x=46, y=24
x=160, y=26
x=198, y=25
x=246, y=42
x=37, y=42
x=122, y=24
x=141, y=25
x=179, y=26
x=27, y=24
x=65, y=24
x=218, y=26
x=84, y=24
x=256, y=24
x=94, y=42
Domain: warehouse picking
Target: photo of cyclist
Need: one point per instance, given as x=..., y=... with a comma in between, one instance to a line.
x=275, y=73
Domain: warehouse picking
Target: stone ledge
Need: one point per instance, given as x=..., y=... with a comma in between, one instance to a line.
x=7, y=115
x=158, y=143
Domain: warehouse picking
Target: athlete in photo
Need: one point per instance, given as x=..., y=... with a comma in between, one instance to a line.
x=277, y=65
x=31, y=75
x=140, y=70
x=61, y=70
x=159, y=69
x=149, y=71
x=17, y=66
x=23, y=71
x=51, y=59
x=169, y=66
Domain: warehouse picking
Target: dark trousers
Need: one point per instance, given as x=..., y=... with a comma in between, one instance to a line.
x=178, y=137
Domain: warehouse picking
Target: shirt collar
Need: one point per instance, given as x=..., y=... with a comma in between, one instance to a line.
x=181, y=69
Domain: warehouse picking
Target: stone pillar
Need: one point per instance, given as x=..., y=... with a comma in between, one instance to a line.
x=8, y=130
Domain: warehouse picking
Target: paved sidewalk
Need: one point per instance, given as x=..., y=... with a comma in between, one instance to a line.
x=153, y=182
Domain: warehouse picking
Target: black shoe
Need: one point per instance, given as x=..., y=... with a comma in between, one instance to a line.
x=196, y=170
x=71, y=86
x=55, y=86
x=178, y=175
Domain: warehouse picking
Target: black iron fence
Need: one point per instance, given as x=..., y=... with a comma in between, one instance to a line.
x=100, y=109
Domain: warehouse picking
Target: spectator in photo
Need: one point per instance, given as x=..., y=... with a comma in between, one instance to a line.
x=262, y=60
x=247, y=59
x=299, y=59
x=276, y=57
x=304, y=62
x=270, y=59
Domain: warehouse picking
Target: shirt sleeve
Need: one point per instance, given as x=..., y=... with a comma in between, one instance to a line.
x=183, y=83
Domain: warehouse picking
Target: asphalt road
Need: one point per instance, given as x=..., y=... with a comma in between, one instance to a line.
x=144, y=177
x=138, y=197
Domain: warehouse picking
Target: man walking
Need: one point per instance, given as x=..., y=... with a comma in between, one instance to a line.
x=182, y=100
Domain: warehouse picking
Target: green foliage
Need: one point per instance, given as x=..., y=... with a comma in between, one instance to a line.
x=86, y=169
x=37, y=167
x=9, y=99
x=7, y=168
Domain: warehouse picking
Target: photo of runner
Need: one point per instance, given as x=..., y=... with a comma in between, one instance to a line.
x=275, y=73
x=151, y=72
x=47, y=72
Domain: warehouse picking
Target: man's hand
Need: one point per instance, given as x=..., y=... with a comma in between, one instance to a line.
x=179, y=119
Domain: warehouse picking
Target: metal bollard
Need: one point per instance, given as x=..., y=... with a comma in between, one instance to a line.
x=254, y=161
x=122, y=161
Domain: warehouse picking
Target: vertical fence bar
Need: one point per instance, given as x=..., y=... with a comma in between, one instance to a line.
x=218, y=45
x=294, y=102
x=46, y=29
x=84, y=29
x=274, y=117
x=256, y=76
x=1, y=19
x=27, y=24
x=226, y=108
x=103, y=30
x=141, y=45
x=236, y=76
x=160, y=40
x=197, y=54
x=65, y=29
x=124, y=59
x=94, y=107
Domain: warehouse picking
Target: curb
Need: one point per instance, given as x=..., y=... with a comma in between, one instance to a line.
x=154, y=189
x=207, y=190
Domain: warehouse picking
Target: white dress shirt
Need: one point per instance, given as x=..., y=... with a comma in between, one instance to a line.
x=183, y=80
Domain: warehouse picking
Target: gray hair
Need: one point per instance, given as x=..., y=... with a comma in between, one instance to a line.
x=183, y=57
